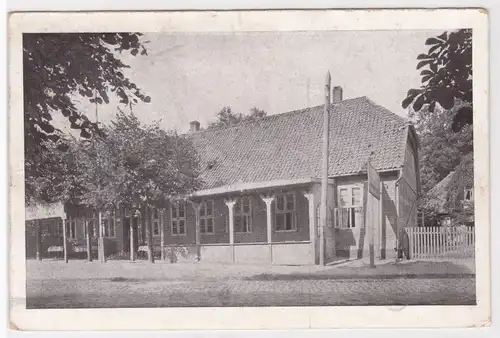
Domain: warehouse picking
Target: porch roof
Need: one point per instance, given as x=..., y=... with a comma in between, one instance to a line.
x=284, y=147
x=42, y=211
x=241, y=187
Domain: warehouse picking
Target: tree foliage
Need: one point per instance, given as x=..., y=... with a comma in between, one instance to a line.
x=132, y=165
x=57, y=69
x=446, y=76
x=227, y=117
x=51, y=170
x=441, y=149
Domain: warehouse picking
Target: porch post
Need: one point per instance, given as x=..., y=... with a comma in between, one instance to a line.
x=65, y=238
x=196, y=207
x=38, y=239
x=131, y=236
x=268, y=200
x=230, y=206
x=312, y=223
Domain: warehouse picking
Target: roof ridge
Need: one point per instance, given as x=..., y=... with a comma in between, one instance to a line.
x=273, y=116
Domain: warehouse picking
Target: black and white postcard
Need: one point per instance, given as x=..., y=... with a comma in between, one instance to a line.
x=250, y=169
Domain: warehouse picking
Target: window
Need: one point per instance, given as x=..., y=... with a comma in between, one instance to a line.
x=155, y=218
x=350, y=200
x=178, y=217
x=59, y=228
x=207, y=217
x=85, y=229
x=71, y=231
x=285, y=212
x=243, y=215
x=350, y=197
x=108, y=225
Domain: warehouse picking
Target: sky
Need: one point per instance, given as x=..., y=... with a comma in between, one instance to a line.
x=192, y=76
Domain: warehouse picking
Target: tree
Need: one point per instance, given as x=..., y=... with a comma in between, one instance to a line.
x=441, y=149
x=226, y=117
x=442, y=109
x=60, y=67
x=446, y=77
x=133, y=165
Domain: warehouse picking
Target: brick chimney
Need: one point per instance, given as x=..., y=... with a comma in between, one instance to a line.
x=337, y=94
x=194, y=126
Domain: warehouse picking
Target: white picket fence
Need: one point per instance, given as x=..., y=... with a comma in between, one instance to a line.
x=441, y=242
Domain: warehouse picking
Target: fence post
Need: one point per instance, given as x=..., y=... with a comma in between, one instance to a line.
x=419, y=243
x=434, y=241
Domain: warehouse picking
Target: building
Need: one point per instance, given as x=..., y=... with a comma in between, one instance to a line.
x=261, y=195
x=44, y=229
x=446, y=214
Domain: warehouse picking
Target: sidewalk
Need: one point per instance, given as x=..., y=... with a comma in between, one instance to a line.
x=360, y=269
x=142, y=270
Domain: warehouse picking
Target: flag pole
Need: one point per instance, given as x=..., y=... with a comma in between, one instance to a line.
x=324, y=171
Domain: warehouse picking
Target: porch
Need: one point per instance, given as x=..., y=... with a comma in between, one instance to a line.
x=267, y=223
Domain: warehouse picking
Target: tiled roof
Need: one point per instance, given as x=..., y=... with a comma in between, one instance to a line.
x=288, y=146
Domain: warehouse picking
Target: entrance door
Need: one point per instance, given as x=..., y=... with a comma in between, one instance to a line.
x=126, y=234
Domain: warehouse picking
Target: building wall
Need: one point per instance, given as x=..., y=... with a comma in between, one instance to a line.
x=407, y=189
x=50, y=234
x=353, y=243
x=214, y=247
x=221, y=226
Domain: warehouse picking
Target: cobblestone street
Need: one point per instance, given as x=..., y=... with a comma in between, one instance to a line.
x=78, y=293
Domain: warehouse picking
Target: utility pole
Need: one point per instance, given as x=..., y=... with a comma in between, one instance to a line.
x=324, y=171
x=100, y=240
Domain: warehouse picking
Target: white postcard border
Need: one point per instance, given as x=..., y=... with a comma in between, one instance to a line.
x=250, y=318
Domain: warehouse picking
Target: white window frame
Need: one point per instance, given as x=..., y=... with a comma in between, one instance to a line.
x=239, y=212
x=156, y=222
x=174, y=221
x=350, y=206
x=85, y=228
x=285, y=211
x=204, y=218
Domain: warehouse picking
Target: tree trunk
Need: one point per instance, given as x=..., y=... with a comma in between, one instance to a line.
x=38, y=233
x=149, y=232
x=102, y=257
x=89, y=240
